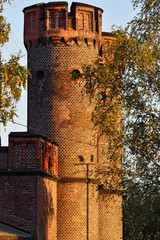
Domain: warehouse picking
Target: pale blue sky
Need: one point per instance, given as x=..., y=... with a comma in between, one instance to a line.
x=116, y=12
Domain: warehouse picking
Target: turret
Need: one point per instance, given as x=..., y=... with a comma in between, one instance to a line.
x=52, y=22
x=58, y=45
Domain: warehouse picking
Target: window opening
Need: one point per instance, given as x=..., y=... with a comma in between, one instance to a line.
x=88, y=22
x=100, y=51
x=75, y=74
x=52, y=20
x=40, y=75
x=62, y=19
x=31, y=22
x=34, y=22
x=81, y=24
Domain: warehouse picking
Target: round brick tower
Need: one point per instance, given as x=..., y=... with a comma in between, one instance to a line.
x=59, y=43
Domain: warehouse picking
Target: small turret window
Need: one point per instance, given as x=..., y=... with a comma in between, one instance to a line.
x=89, y=21
x=34, y=22
x=52, y=20
x=75, y=74
x=81, y=21
x=62, y=19
x=85, y=21
x=30, y=155
x=17, y=160
x=40, y=75
x=31, y=22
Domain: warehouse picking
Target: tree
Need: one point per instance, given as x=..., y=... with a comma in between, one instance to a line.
x=141, y=83
x=13, y=76
x=134, y=60
x=133, y=57
x=141, y=209
x=137, y=51
x=104, y=86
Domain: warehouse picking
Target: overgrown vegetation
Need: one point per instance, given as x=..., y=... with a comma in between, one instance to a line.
x=132, y=64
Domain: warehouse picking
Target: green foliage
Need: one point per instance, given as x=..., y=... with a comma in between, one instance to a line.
x=4, y=31
x=13, y=76
x=141, y=209
x=104, y=86
x=141, y=86
x=134, y=60
x=141, y=96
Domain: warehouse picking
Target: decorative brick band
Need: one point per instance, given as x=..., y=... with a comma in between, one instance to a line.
x=31, y=172
x=81, y=180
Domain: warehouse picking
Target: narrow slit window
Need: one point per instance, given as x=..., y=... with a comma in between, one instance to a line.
x=62, y=19
x=81, y=21
x=52, y=20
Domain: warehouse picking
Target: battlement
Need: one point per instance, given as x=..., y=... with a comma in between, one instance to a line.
x=29, y=152
x=52, y=22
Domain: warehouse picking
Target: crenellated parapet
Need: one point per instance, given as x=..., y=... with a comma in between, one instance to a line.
x=29, y=152
x=52, y=22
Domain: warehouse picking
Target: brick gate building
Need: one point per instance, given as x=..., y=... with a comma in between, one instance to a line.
x=47, y=174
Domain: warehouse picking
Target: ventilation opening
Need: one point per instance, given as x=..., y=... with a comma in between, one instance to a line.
x=100, y=187
x=40, y=75
x=100, y=51
x=75, y=74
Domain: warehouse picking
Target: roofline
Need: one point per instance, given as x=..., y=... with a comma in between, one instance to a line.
x=59, y=3
x=33, y=6
x=11, y=230
x=30, y=135
x=85, y=5
x=3, y=149
x=108, y=34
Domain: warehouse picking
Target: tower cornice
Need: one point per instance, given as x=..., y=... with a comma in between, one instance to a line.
x=53, y=22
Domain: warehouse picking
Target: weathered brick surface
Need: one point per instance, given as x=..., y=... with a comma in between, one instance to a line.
x=30, y=203
x=28, y=196
x=110, y=217
x=18, y=201
x=30, y=152
x=56, y=106
x=73, y=214
x=46, y=209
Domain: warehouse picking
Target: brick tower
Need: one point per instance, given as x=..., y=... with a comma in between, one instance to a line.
x=58, y=44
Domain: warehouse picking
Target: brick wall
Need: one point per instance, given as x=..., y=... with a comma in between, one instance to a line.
x=28, y=183
x=46, y=209
x=18, y=202
x=30, y=203
x=31, y=152
x=57, y=110
x=110, y=217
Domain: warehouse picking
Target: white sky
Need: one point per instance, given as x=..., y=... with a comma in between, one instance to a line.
x=116, y=12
